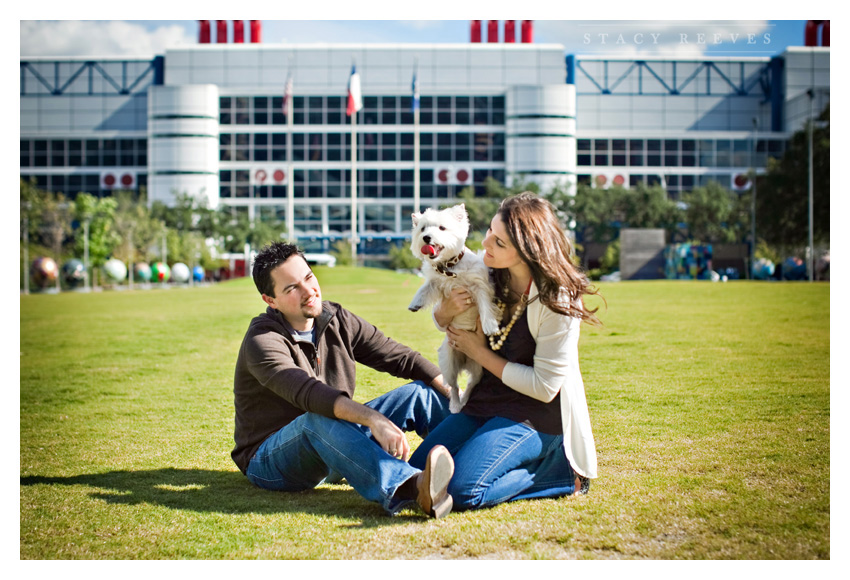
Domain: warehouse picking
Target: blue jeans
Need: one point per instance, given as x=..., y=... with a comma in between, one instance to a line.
x=499, y=460
x=313, y=448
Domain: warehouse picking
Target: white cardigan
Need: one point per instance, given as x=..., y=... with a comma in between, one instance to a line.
x=556, y=370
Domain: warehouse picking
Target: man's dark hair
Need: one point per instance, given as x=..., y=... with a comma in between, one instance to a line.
x=267, y=260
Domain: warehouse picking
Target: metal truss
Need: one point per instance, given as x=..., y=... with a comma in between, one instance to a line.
x=90, y=70
x=758, y=83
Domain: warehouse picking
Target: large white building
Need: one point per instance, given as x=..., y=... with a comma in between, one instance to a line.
x=208, y=120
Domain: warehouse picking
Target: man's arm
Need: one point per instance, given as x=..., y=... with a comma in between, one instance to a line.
x=385, y=432
x=438, y=385
x=376, y=350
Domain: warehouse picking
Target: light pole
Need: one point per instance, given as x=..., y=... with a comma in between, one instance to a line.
x=26, y=249
x=811, y=248
x=753, y=217
x=86, y=253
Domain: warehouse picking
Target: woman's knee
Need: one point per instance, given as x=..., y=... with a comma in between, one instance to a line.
x=466, y=495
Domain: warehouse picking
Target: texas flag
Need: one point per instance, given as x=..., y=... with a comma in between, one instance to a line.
x=287, y=94
x=355, y=99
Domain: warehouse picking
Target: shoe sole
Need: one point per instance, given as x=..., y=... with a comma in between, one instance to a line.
x=438, y=472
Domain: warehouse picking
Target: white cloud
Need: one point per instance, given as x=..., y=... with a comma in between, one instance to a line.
x=98, y=38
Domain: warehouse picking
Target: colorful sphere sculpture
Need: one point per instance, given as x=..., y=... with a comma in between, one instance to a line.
x=44, y=271
x=142, y=272
x=180, y=273
x=115, y=269
x=74, y=273
x=198, y=274
x=160, y=272
x=763, y=269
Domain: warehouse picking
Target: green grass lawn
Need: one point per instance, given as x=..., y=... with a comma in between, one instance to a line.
x=710, y=406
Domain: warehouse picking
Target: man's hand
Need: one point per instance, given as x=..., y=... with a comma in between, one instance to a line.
x=386, y=433
x=390, y=437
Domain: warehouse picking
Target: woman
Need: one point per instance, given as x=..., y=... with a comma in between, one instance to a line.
x=525, y=431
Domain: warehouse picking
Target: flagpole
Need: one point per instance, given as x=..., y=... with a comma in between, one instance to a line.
x=290, y=182
x=355, y=103
x=354, y=187
x=415, y=104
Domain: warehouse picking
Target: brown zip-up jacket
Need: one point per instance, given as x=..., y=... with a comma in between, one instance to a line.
x=278, y=377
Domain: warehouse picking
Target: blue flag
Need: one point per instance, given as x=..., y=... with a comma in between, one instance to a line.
x=414, y=86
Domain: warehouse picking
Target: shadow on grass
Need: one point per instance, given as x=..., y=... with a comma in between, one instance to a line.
x=227, y=492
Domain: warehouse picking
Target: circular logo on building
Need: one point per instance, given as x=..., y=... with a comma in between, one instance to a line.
x=279, y=175
x=462, y=175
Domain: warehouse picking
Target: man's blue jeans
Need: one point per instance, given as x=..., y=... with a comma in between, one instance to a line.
x=314, y=448
x=499, y=460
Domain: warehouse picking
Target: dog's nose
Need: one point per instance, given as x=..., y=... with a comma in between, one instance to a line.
x=426, y=239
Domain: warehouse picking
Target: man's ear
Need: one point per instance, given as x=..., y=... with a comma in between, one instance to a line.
x=268, y=300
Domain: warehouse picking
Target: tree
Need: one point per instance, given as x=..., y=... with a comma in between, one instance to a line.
x=716, y=215
x=401, y=258
x=482, y=209
x=135, y=224
x=236, y=229
x=782, y=206
x=600, y=213
x=99, y=214
x=594, y=211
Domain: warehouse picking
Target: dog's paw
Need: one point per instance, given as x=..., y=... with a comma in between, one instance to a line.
x=490, y=326
x=454, y=400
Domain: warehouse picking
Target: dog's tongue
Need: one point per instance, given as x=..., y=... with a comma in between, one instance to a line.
x=428, y=250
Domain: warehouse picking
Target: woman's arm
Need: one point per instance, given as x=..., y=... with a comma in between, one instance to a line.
x=474, y=345
x=557, y=349
x=556, y=338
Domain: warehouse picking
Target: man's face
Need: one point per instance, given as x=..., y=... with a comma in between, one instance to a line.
x=296, y=293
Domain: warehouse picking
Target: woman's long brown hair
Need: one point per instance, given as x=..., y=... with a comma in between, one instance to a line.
x=537, y=235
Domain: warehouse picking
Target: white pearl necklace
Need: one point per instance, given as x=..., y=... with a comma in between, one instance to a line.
x=503, y=332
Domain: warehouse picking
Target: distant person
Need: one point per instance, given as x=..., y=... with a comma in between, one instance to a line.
x=525, y=430
x=297, y=424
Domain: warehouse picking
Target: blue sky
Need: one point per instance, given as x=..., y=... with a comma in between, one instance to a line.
x=680, y=38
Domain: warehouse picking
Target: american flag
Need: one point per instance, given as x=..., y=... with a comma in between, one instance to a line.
x=287, y=94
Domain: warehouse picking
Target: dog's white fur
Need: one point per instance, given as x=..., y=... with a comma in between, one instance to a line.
x=446, y=230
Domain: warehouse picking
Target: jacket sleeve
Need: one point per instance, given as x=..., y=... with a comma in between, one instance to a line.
x=374, y=349
x=270, y=361
x=558, y=335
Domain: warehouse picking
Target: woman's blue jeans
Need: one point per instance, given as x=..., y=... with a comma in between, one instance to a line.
x=313, y=448
x=499, y=460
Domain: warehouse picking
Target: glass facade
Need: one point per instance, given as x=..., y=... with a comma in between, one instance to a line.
x=253, y=130
x=679, y=164
x=82, y=161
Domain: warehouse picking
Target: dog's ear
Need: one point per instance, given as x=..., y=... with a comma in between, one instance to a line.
x=459, y=212
x=415, y=217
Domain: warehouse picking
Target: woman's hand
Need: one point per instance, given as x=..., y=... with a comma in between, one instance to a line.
x=469, y=342
x=474, y=345
x=458, y=302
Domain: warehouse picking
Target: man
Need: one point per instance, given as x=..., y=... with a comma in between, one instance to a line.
x=296, y=422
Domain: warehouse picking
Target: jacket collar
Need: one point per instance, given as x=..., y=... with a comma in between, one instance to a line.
x=329, y=310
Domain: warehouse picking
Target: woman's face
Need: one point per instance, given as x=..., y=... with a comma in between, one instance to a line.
x=499, y=252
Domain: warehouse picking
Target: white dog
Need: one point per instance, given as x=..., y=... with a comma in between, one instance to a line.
x=439, y=239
